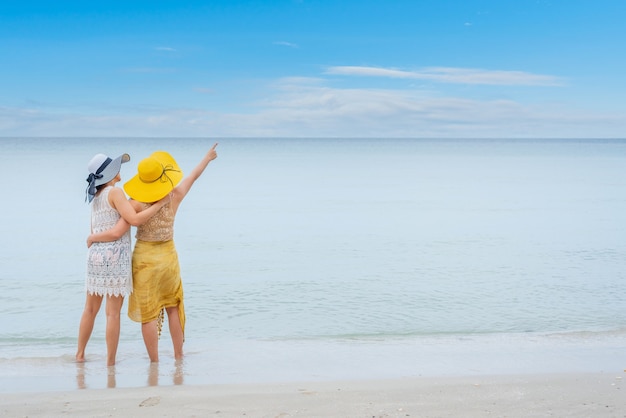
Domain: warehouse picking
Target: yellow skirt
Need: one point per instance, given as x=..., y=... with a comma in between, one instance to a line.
x=156, y=283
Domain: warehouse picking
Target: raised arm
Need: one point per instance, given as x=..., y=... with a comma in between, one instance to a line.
x=181, y=190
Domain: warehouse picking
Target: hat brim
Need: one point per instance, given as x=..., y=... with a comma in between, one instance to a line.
x=111, y=170
x=141, y=191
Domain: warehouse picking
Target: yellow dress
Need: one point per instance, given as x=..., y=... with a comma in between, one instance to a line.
x=156, y=272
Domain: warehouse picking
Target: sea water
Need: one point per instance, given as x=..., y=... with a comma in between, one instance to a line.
x=333, y=258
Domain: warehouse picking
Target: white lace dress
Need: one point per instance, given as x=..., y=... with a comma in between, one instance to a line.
x=109, y=269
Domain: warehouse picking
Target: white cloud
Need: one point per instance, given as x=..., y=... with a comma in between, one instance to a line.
x=284, y=43
x=165, y=48
x=452, y=75
x=308, y=107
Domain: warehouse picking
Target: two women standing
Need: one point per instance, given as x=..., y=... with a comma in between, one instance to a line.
x=108, y=263
x=157, y=190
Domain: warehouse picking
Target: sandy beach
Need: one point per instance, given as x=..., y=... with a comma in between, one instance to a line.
x=553, y=395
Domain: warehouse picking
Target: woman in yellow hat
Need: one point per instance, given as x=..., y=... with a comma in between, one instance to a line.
x=157, y=285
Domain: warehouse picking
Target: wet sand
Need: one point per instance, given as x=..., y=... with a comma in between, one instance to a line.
x=559, y=395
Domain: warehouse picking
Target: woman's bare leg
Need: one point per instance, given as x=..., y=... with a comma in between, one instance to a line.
x=113, y=309
x=176, y=331
x=92, y=306
x=150, y=334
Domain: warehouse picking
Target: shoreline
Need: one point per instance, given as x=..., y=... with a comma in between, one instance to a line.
x=273, y=362
x=563, y=394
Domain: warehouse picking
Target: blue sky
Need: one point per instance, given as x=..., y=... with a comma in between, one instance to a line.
x=352, y=68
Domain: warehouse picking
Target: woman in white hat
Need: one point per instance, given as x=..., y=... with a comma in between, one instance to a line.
x=108, y=263
x=157, y=284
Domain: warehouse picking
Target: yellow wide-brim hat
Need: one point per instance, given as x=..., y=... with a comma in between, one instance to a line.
x=156, y=176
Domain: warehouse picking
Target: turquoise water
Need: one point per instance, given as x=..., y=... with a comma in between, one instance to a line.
x=310, y=258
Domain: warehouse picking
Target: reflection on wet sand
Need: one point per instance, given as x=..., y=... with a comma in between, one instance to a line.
x=80, y=376
x=110, y=377
x=81, y=381
x=179, y=372
x=153, y=374
x=177, y=375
